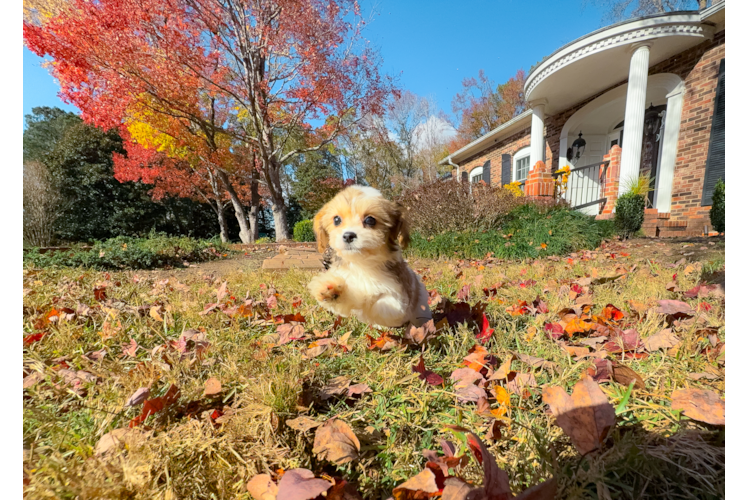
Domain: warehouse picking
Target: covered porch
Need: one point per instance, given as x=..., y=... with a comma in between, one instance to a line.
x=630, y=120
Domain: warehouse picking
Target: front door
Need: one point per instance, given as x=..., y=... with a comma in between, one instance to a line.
x=654, y=125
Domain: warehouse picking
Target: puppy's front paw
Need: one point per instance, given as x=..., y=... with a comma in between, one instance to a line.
x=327, y=288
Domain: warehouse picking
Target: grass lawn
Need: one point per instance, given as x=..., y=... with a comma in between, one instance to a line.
x=158, y=328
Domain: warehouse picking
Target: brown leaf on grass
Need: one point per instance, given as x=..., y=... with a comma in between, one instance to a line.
x=314, y=349
x=419, y=335
x=154, y=313
x=212, y=387
x=470, y=394
x=138, y=397
x=519, y=382
x=464, y=292
x=130, y=349
x=289, y=332
x=95, y=355
x=300, y=484
x=578, y=325
x=303, y=424
x=429, y=376
x=504, y=370
x=700, y=404
x=114, y=440
x=664, y=339
x=32, y=379
x=625, y=375
x=262, y=487
x=675, y=308
x=464, y=377
x=335, y=442
x=495, y=481
x=335, y=387
x=574, y=350
x=221, y=292
x=358, y=390
x=419, y=487
x=586, y=416
x=543, y=491
x=100, y=294
x=536, y=362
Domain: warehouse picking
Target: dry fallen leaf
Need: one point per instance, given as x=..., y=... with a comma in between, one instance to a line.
x=262, y=487
x=303, y=424
x=586, y=416
x=664, y=339
x=300, y=484
x=335, y=442
x=212, y=387
x=422, y=485
x=335, y=387
x=700, y=404
x=138, y=397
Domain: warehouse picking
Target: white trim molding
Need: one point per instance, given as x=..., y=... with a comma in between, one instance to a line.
x=687, y=24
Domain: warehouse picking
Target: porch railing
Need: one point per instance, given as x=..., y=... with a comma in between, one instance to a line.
x=586, y=185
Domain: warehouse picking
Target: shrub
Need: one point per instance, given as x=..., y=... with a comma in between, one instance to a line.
x=303, y=231
x=629, y=214
x=130, y=253
x=263, y=240
x=448, y=206
x=717, y=212
x=528, y=231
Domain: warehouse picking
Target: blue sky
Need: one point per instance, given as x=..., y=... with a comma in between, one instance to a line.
x=430, y=45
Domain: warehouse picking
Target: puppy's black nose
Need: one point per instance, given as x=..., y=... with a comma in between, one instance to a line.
x=349, y=236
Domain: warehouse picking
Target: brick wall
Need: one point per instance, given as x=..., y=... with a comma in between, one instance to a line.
x=509, y=146
x=699, y=69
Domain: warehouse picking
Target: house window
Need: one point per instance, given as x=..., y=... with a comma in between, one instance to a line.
x=476, y=175
x=521, y=165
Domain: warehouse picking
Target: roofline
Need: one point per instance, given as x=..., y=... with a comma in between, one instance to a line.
x=490, y=135
x=715, y=7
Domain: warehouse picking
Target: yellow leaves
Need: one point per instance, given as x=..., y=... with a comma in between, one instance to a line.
x=514, y=188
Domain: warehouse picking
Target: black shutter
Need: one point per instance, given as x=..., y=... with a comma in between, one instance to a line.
x=715, y=160
x=487, y=172
x=506, y=169
x=464, y=176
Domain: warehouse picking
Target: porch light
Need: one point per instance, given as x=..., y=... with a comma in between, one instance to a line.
x=576, y=150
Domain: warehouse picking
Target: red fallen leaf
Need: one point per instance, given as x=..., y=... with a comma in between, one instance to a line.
x=287, y=318
x=492, y=291
x=540, y=306
x=576, y=289
x=296, y=302
x=518, y=309
x=216, y=414
x=527, y=283
x=155, y=405
x=612, y=313
x=635, y=355
x=623, y=341
x=554, y=330
x=130, y=349
x=429, y=376
x=485, y=331
x=384, y=343
x=100, y=294
x=479, y=360
x=34, y=337
x=464, y=292
x=703, y=306
x=603, y=370
x=336, y=324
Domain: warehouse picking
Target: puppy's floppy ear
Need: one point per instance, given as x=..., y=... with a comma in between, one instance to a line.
x=400, y=230
x=323, y=239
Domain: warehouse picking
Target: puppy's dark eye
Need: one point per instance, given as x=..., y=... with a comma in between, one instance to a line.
x=370, y=221
x=336, y=220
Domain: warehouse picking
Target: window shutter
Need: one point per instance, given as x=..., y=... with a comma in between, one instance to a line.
x=715, y=160
x=464, y=176
x=506, y=169
x=487, y=172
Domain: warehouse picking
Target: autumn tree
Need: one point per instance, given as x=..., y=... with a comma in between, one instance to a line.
x=482, y=105
x=274, y=65
x=619, y=10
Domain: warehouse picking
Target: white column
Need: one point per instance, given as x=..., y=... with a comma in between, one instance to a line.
x=536, y=131
x=669, y=141
x=633, y=131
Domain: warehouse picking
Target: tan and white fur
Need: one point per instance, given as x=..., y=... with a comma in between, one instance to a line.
x=369, y=278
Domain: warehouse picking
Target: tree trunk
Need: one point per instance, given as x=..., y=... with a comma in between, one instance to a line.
x=241, y=217
x=255, y=202
x=222, y=221
x=279, y=219
x=220, y=207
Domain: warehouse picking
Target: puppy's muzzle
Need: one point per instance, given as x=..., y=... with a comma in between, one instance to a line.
x=349, y=236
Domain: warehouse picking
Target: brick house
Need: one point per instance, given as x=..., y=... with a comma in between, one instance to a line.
x=644, y=96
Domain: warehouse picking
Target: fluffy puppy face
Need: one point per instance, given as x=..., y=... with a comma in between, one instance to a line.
x=360, y=222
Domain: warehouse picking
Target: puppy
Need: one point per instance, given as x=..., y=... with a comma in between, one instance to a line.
x=368, y=278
